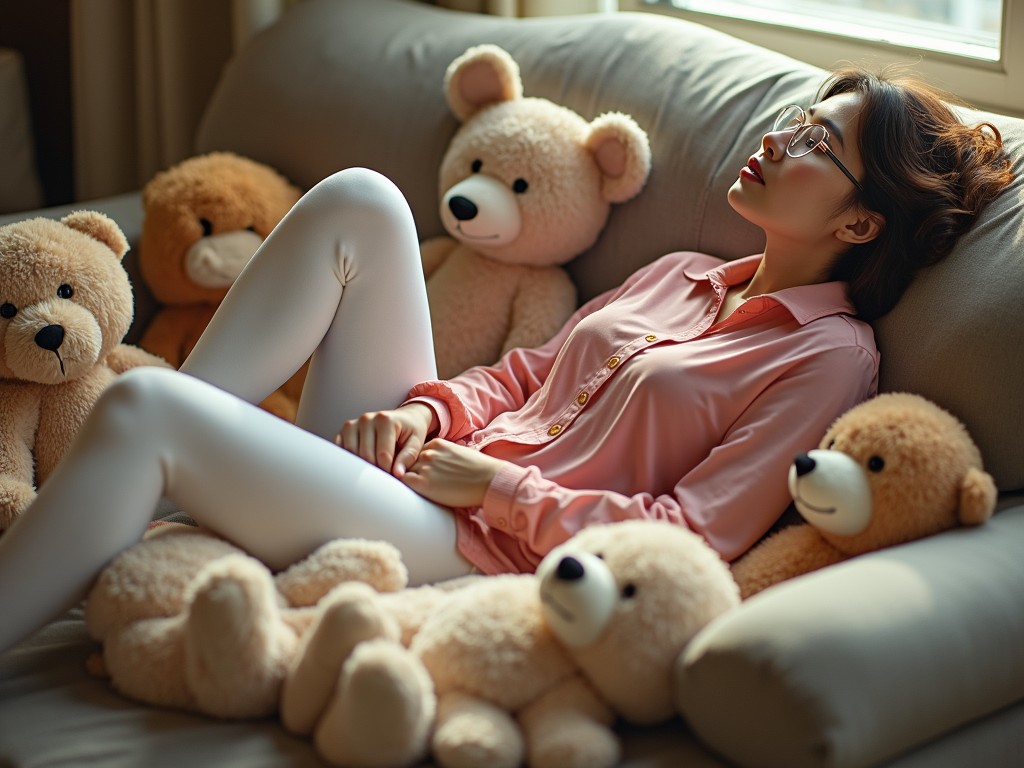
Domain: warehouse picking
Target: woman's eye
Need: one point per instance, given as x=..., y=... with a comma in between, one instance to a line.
x=65, y=291
x=8, y=310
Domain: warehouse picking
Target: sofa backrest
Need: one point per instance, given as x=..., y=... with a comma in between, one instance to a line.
x=339, y=83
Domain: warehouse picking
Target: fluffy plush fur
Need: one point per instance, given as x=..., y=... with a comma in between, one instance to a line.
x=189, y=621
x=525, y=186
x=65, y=304
x=890, y=470
x=202, y=221
x=507, y=670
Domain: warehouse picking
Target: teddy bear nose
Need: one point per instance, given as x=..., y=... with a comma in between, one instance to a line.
x=570, y=569
x=803, y=464
x=463, y=208
x=50, y=337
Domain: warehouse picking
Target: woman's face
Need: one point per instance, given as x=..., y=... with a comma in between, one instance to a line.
x=797, y=198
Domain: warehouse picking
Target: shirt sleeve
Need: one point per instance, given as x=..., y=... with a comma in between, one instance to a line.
x=733, y=496
x=471, y=400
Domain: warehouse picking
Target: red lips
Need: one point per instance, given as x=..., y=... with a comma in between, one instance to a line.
x=755, y=169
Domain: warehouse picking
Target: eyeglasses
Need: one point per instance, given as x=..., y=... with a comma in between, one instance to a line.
x=807, y=137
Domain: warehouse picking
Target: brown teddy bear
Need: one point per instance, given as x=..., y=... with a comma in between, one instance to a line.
x=202, y=221
x=65, y=305
x=188, y=621
x=510, y=669
x=890, y=470
x=525, y=186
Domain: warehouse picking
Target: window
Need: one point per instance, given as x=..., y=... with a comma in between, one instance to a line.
x=960, y=45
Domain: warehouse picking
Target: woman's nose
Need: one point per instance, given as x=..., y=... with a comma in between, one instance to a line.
x=774, y=144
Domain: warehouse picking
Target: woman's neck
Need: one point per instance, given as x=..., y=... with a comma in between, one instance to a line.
x=787, y=266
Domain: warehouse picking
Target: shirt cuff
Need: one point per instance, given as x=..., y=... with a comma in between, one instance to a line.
x=440, y=409
x=499, y=500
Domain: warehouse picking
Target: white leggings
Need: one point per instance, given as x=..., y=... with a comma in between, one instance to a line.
x=339, y=278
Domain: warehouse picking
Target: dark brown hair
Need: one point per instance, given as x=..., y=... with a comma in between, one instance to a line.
x=926, y=172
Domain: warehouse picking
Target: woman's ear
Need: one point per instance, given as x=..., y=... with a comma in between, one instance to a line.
x=865, y=227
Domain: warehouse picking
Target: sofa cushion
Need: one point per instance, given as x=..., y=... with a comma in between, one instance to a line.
x=858, y=663
x=307, y=99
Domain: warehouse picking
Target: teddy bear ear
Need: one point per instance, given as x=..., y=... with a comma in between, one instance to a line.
x=98, y=227
x=623, y=154
x=977, y=497
x=482, y=76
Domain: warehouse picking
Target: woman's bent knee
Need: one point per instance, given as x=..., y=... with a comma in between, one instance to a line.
x=359, y=191
x=128, y=404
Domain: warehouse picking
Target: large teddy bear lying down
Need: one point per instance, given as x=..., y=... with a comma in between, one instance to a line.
x=492, y=671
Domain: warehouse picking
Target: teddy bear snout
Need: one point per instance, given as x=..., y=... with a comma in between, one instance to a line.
x=578, y=595
x=831, y=491
x=481, y=210
x=215, y=261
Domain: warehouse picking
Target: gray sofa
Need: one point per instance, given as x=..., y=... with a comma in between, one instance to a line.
x=908, y=657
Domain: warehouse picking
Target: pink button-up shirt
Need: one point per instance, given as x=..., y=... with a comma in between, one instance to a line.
x=643, y=406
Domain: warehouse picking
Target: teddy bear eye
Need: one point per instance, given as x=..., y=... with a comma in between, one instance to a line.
x=876, y=464
x=477, y=165
x=207, y=226
x=252, y=229
x=629, y=591
x=65, y=291
x=8, y=310
x=831, y=444
x=519, y=186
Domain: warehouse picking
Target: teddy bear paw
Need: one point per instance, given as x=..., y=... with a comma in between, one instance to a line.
x=588, y=747
x=472, y=732
x=237, y=648
x=15, y=496
x=382, y=709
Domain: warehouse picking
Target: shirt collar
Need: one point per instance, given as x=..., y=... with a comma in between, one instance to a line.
x=804, y=302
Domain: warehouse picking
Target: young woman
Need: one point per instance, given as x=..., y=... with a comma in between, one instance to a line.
x=681, y=395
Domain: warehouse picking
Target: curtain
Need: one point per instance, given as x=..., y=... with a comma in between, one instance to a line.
x=142, y=71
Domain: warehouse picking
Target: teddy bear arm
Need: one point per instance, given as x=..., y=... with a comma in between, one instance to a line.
x=472, y=731
x=545, y=300
x=127, y=356
x=791, y=552
x=376, y=563
x=18, y=421
x=570, y=726
x=433, y=252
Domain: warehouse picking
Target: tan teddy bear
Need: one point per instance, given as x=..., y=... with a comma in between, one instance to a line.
x=510, y=669
x=202, y=221
x=890, y=470
x=188, y=621
x=65, y=305
x=525, y=186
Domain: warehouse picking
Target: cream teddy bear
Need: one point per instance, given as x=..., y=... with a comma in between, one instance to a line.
x=188, y=621
x=890, y=470
x=203, y=219
x=509, y=669
x=65, y=305
x=525, y=185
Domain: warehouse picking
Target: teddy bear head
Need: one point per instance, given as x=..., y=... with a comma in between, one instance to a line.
x=892, y=469
x=625, y=599
x=525, y=180
x=202, y=221
x=65, y=298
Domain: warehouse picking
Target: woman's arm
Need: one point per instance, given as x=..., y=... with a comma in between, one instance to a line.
x=731, y=498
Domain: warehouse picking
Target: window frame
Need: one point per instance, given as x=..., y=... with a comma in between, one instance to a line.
x=997, y=86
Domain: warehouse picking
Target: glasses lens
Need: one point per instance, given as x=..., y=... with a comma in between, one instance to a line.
x=805, y=140
x=789, y=118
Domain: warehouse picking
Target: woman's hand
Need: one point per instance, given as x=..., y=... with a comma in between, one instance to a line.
x=451, y=474
x=391, y=440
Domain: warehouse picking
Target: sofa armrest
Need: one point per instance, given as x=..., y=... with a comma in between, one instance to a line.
x=861, y=661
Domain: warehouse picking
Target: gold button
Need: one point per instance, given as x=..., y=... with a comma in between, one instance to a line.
x=614, y=361
x=582, y=397
x=555, y=429
x=650, y=337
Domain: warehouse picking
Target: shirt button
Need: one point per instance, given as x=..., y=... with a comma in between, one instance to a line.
x=582, y=398
x=555, y=429
x=650, y=337
x=614, y=361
